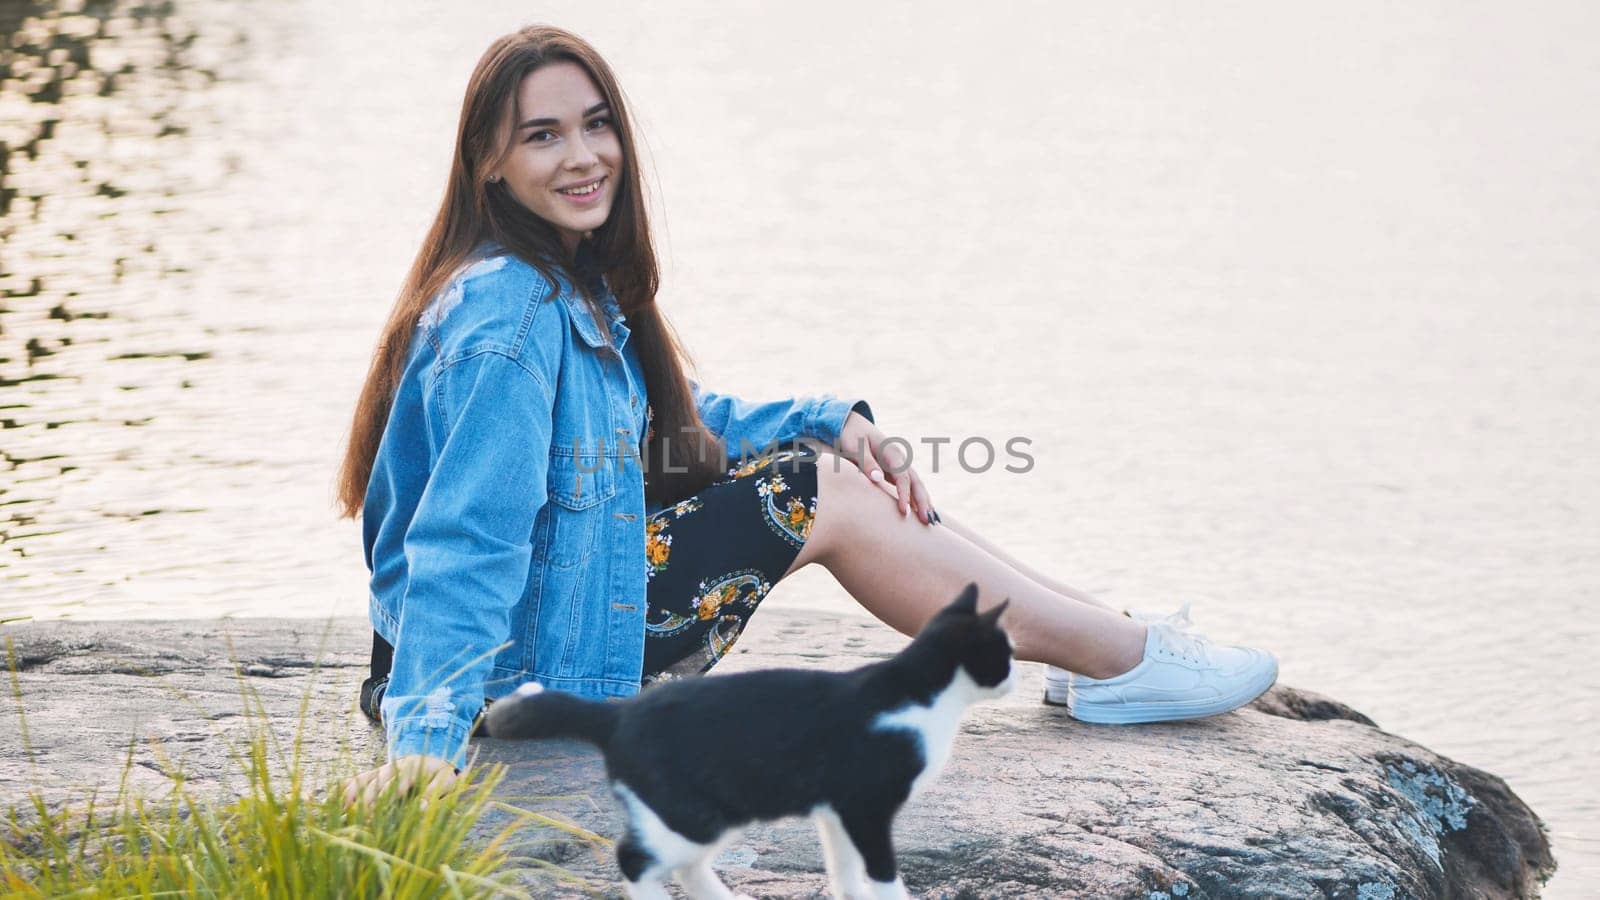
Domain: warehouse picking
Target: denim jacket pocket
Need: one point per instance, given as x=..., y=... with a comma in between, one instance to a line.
x=579, y=481
x=578, y=486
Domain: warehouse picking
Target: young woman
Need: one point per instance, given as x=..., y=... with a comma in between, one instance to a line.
x=547, y=497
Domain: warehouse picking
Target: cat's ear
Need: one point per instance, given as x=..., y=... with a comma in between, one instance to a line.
x=967, y=602
x=991, y=618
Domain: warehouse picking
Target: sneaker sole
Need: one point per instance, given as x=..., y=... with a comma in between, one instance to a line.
x=1056, y=694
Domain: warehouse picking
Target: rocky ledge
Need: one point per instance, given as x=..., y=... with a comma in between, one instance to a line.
x=1294, y=796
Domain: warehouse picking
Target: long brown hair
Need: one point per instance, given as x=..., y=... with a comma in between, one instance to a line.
x=681, y=456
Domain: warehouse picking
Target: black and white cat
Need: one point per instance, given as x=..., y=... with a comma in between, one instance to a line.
x=693, y=761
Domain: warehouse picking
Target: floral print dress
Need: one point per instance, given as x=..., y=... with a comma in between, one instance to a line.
x=713, y=557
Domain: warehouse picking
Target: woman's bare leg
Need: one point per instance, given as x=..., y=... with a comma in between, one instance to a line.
x=1063, y=589
x=904, y=571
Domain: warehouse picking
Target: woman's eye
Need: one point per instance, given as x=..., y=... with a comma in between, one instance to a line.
x=538, y=137
x=601, y=122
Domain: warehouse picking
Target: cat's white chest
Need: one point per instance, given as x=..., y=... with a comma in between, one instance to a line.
x=935, y=724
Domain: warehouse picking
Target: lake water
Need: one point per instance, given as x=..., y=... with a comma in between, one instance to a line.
x=1298, y=308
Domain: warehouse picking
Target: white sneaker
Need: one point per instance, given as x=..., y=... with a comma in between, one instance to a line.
x=1182, y=676
x=1058, y=682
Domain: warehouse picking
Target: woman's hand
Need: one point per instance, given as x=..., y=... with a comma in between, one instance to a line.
x=861, y=442
x=432, y=773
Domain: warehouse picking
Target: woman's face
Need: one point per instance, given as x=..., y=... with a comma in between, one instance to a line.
x=565, y=154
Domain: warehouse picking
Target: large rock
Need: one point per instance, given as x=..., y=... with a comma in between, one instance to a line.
x=1294, y=796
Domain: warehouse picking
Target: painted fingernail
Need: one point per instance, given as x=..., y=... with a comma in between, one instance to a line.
x=934, y=515
x=876, y=475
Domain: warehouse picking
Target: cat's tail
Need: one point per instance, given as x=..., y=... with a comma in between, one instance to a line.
x=533, y=712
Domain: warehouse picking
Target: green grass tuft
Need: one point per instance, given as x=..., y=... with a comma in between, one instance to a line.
x=288, y=835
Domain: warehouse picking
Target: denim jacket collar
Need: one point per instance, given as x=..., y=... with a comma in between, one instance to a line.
x=569, y=294
x=584, y=322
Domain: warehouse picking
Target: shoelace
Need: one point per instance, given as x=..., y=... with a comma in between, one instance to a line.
x=1177, y=635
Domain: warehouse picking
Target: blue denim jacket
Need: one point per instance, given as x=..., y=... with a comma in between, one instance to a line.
x=507, y=504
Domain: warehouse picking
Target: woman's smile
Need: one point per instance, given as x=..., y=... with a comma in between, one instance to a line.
x=586, y=193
